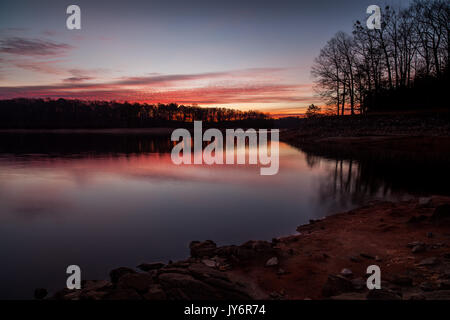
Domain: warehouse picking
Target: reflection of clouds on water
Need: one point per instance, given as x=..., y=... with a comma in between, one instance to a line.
x=117, y=201
x=31, y=195
x=142, y=166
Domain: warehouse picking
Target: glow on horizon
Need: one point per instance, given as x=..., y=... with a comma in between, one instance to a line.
x=211, y=54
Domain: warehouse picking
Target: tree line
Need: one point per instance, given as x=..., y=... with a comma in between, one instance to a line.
x=64, y=113
x=403, y=65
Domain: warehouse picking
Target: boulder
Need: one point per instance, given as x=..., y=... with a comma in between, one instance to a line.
x=210, y=263
x=150, y=266
x=437, y=295
x=116, y=274
x=92, y=295
x=123, y=294
x=203, y=249
x=367, y=256
x=272, y=262
x=424, y=202
x=418, y=248
x=415, y=244
x=359, y=283
x=179, y=286
x=335, y=285
x=428, y=261
x=383, y=294
x=95, y=285
x=140, y=282
x=350, y=296
x=155, y=293
x=346, y=272
x=400, y=280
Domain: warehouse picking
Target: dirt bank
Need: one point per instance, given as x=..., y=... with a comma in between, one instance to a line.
x=409, y=241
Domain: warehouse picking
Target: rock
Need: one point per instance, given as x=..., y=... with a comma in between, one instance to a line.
x=346, y=272
x=139, y=282
x=414, y=244
x=95, y=285
x=437, y=295
x=255, y=249
x=355, y=259
x=419, y=248
x=123, y=294
x=359, y=283
x=402, y=281
x=438, y=245
x=60, y=294
x=444, y=284
x=182, y=286
x=428, y=262
x=424, y=202
x=280, y=272
x=203, y=249
x=116, y=274
x=417, y=297
x=336, y=285
x=179, y=264
x=225, y=267
x=168, y=269
x=428, y=286
x=209, y=263
x=150, y=266
x=367, y=256
x=350, y=296
x=272, y=262
x=445, y=274
x=226, y=251
x=258, y=245
x=155, y=293
x=93, y=295
x=40, y=293
x=441, y=213
x=200, y=271
x=275, y=295
x=382, y=294
x=73, y=295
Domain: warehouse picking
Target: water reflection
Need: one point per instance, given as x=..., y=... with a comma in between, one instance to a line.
x=107, y=200
x=355, y=176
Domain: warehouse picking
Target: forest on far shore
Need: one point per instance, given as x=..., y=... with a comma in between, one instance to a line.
x=27, y=113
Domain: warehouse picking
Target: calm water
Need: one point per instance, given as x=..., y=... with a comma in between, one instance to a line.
x=102, y=201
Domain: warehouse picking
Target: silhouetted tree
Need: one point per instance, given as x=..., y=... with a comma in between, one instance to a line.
x=403, y=65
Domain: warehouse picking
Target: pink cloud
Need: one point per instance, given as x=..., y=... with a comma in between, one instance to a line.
x=246, y=86
x=33, y=47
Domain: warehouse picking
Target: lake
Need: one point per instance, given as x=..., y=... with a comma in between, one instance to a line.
x=104, y=200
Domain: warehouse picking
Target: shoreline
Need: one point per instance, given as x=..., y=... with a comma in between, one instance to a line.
x=409, y=240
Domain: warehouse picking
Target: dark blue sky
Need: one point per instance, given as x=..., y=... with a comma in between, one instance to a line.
x=258, y=52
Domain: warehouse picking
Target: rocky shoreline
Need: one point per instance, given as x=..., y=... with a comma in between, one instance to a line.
x=327, y=259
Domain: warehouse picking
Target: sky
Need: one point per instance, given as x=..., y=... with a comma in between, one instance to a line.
x=240, y=54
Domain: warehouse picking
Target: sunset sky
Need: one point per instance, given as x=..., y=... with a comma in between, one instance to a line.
x=239, y=54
